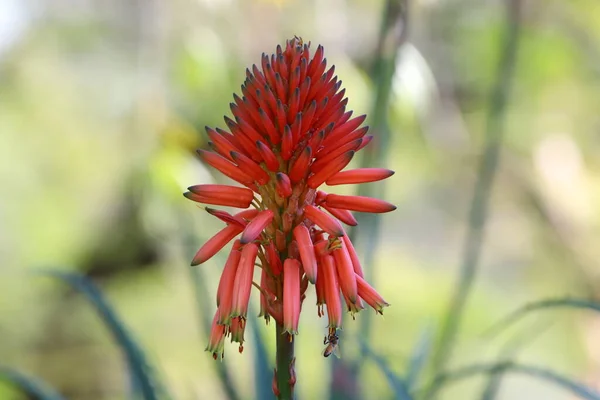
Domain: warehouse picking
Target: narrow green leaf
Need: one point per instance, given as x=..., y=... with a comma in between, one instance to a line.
x=145, y=380
x=29, y=385
x=547, y=375
x=419, y=357
x=542, y=305
x=395, y=381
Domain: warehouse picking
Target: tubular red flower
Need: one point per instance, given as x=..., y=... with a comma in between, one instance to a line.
x=273, y=259
x=359, y=203
x=360, y=175
x=343, y=215
x=307, y=252
x=225, y=288
x=326, y=158
x=218, y=201
x=368, y=294
x=291, y=295
x=327, y=223
x=243, y=281
x=333, y=167
x=221, y=144
x=226, y=217
x=353, y=256
x=216, y=243
x=283, y=185
x=226, y=167
x=332, y=292
x=256, y=226
x=237, y=328
x=251, y=168
x=268, y=156
x=345, y=273
x=216, y=339
x=300, y=167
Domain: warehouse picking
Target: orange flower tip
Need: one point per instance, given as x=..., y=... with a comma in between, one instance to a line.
x=256, y=226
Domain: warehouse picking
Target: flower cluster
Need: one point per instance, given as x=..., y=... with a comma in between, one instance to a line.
x=290, y=134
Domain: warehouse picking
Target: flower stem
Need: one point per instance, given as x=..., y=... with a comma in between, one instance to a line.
x=284, y=363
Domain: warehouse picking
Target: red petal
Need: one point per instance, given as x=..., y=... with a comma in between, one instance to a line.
x=268, y=156
x=283, y=185
x=346, y=273
x=227, y=168
x=343, y=215
x=299, y=169
x=331, y=292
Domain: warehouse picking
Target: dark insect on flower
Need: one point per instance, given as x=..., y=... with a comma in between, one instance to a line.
x=290, y=134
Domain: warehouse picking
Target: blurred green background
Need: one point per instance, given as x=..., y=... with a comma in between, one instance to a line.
x=103, y=103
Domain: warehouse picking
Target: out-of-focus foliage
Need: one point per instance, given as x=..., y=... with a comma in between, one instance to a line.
x=104, y=102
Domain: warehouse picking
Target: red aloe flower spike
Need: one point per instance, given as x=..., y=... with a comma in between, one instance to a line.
x=345, y=273
x=226, y=217
x=226, y=167
x=368, y=294
x=291, y=295
x=256, y=226
x=216, y=340
x=268, y=156
x=343, y=215
x=255, y=171
x=300, y=167
x=332, y=292
x=327, y=223
x=216, y=243
x=359, y=203
x=283, y=185
x=353, y=256
x=335, y=166
x=359, y=175
x=243, y=281
x=307, y=252
x=218, y=201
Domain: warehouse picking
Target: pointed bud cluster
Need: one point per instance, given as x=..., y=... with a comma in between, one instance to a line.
x=290, y=133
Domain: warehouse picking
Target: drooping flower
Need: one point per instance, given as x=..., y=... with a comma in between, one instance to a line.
x=290, y=134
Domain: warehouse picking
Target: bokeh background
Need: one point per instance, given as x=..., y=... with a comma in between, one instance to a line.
x=103, y=103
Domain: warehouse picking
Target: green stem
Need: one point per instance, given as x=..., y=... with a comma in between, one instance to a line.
x=285, y=364
x=485, y=178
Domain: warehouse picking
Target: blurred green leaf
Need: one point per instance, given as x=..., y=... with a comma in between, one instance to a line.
x=419, y=357
x=568, y=384
x=32, y=386
x=542, y=305
x=146, y=385
x=394, y=380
